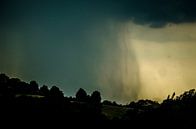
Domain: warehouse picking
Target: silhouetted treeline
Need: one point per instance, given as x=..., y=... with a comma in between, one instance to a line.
x=23, y=101
x=28, y=103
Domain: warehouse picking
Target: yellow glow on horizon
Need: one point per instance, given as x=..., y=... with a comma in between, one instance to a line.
x=166, y=65
x=148, y=63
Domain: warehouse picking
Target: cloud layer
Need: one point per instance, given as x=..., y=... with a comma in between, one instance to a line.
x=88, y=43
x=155, y=13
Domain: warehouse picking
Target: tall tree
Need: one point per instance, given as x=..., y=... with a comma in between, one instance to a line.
x=55, y=92
x=96, y=97
x=44, y=90
x=81, y=95
x=34, y=88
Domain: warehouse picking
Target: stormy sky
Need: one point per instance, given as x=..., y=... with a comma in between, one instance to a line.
x=127, y=49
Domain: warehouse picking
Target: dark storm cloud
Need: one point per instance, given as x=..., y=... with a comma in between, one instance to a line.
x=155, y=13
x=70, y=42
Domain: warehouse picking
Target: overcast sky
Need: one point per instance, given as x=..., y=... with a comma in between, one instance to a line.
x=127, y=49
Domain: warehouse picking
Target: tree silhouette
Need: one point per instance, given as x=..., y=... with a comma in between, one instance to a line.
x=25, y=101
x=55, y=92
x=107, y=102
x=3, y=83
x=81, y=95
x=3, y=79
x=44, y=90
x=173, y=95
x=14, y=85
x=34, y=88
x=95, y=97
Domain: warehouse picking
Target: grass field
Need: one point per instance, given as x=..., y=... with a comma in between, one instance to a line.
x=114, y=111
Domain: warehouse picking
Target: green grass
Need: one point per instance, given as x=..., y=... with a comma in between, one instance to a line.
x=114, y=111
